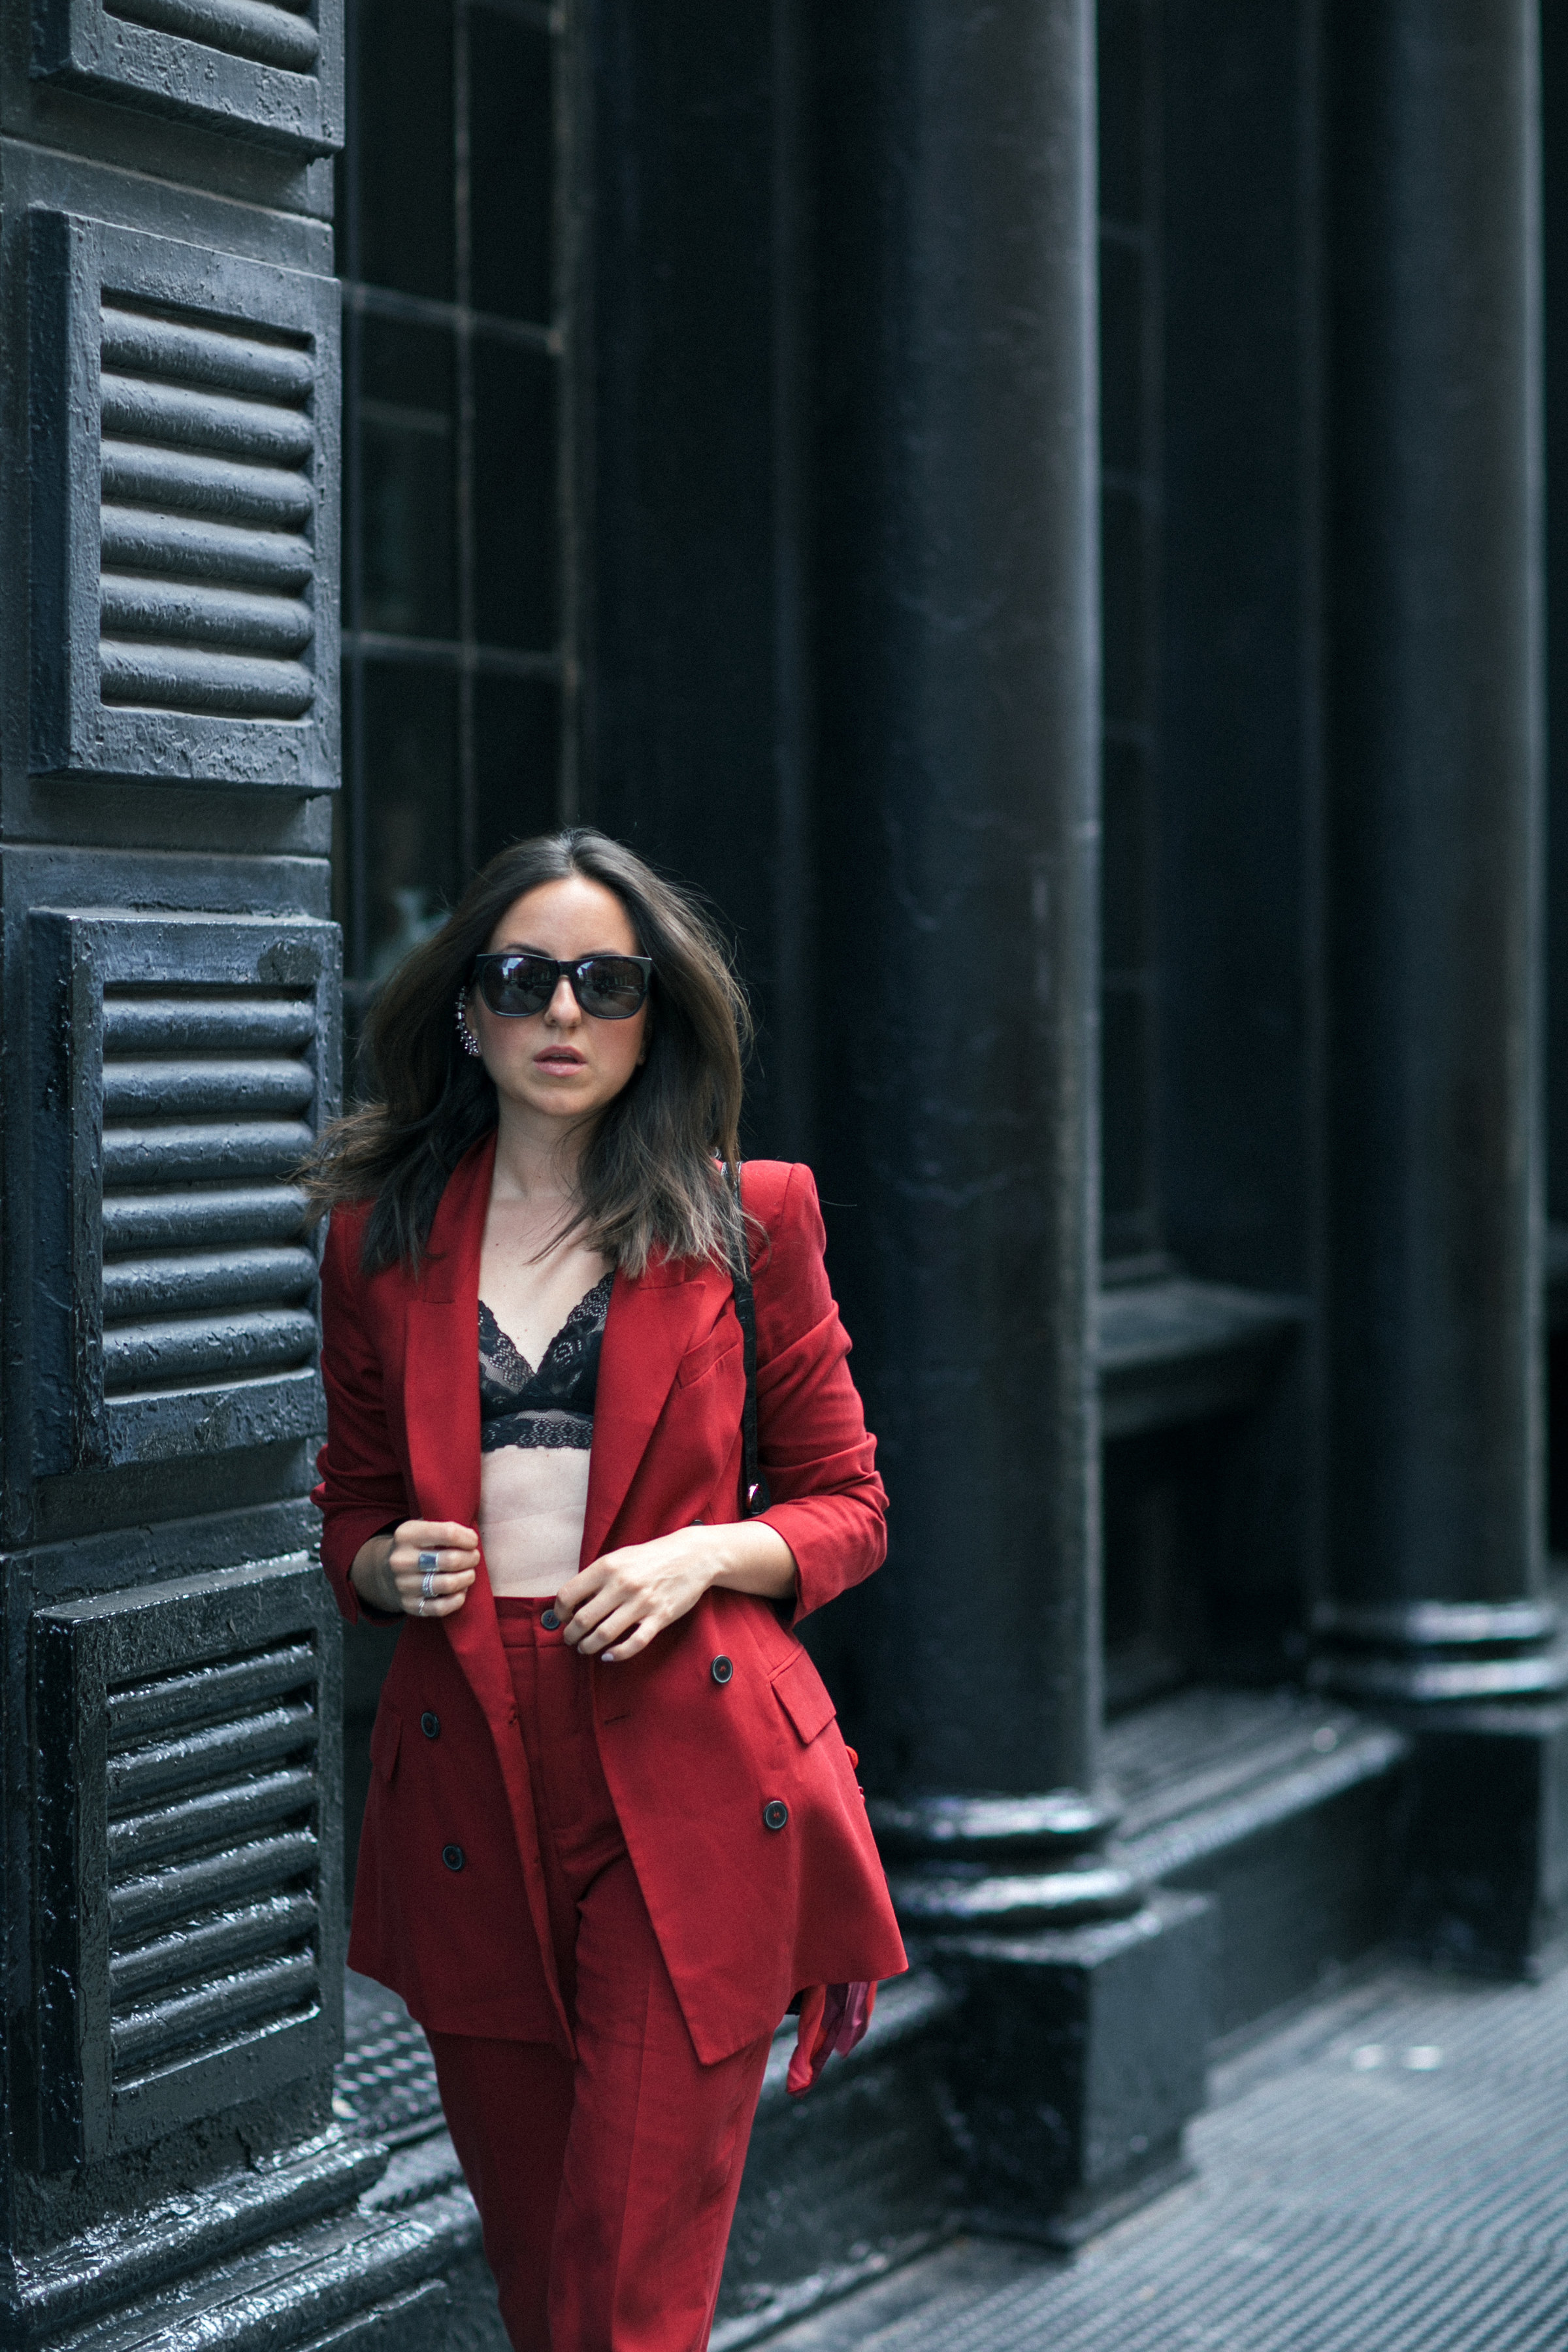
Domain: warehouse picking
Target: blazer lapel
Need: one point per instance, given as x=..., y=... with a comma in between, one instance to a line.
x=440, y=1368
x=441, y=1409
x=647, y=1331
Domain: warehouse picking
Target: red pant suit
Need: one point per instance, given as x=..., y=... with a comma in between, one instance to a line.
x=744, y=1914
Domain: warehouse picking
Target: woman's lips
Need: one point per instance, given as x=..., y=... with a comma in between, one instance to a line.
x=560, y=1059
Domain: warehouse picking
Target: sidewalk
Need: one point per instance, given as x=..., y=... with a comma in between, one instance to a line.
x=1389, y=2173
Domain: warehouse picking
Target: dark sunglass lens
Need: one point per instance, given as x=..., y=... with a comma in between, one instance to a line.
x=518, y=987
x=611, y=987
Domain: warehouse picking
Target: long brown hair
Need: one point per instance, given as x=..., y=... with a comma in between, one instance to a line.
x=647, y=1181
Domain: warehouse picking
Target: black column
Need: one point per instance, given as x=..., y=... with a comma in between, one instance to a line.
x=1434, y=1535
x=960, y=686
x=959, y=695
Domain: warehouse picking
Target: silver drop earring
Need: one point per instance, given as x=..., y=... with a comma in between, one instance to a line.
x=467, y=1038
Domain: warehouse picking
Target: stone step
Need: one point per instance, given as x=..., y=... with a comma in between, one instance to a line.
x=1281, y=1806
x=846, y=2182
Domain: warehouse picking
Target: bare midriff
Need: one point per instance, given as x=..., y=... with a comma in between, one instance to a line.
x=533, y=1502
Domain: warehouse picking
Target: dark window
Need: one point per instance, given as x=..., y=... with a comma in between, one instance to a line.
x=457, y=340
x=1131, y=332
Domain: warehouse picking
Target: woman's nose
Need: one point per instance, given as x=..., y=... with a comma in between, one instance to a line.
x=564, y=1009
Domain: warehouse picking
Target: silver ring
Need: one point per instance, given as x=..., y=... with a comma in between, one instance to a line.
x=428, y=1584
x=422, y=1608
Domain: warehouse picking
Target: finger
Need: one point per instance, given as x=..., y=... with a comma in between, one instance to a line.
x=628, y=1645
x=593, y=1611
x=608, y=1635
x=433, y=1534
x=416, y=1605
x=582, y=1587
x=434, y=1587
x=430, y=1562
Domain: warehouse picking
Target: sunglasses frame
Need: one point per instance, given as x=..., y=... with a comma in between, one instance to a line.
x=569, y=972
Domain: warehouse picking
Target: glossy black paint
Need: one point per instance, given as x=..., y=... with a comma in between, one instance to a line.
x=1434, y=847
x=170, y=1689
x=959, y=696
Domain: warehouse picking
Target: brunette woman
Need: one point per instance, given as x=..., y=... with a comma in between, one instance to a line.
x=613, y=1830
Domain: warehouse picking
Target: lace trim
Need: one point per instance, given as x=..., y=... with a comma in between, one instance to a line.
x=570, y=1432
x=550, y=1405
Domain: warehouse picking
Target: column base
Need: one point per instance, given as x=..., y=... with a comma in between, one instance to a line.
x=1076, y=2061
x=1439, y=1652
x=1006, y=1862
x=1484, y=1839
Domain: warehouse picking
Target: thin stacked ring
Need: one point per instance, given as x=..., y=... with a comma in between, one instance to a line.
x=428, y=1561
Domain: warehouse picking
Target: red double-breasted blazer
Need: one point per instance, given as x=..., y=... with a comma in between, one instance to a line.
x=745, y=1916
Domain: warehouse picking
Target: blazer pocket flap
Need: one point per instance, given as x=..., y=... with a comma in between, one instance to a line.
x=698, y=1362
x=802, y=1696
x=383, y=1742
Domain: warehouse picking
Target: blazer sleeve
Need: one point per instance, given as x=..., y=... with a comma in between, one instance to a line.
x=828, y=1502
x=362, y=1490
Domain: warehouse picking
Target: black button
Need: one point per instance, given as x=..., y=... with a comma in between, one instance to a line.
x=550, y=1621
x=775, y=1812
x=452, y=1856
x=430, y=1724
x=721, y=1669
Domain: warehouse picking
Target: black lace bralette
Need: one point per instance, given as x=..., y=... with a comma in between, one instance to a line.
x=555, y=1404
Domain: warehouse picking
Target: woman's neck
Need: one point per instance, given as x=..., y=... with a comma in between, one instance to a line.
x=537, y=1159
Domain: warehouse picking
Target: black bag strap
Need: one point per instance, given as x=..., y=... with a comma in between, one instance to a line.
x=755, y=1495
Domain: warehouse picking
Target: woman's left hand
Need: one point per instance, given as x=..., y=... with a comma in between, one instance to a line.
x=615, y=1606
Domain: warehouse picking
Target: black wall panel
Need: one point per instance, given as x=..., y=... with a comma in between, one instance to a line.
x=190, y=1930
x=264, y=71
x=181, y=1069
x=169, y=637
x=184, y=485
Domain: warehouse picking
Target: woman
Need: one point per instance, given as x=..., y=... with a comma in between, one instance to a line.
x=612, y=1829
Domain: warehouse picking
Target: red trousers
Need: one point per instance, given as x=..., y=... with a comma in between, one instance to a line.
x=605, y=2188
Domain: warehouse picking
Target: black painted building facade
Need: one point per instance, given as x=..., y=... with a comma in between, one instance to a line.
x=1054, y=519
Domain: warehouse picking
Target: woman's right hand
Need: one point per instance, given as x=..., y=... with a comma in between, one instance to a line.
x=387, y=1571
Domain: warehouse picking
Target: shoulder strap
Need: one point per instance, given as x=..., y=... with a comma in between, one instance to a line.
x=755, y=1495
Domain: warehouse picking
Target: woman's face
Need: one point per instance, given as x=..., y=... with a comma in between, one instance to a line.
x=561, y=1062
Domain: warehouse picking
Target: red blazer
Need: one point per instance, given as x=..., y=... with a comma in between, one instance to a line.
x=745, y=1917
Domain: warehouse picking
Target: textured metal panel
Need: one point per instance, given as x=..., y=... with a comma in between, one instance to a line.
x=1389, y=2176
x=189, y=1930
x=384, y=2083
x=183, y=1067
x=268, y=70
x=184, y=511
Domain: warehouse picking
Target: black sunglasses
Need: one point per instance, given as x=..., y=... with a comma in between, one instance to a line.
x=519, y=985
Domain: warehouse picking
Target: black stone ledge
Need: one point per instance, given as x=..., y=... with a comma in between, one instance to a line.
x=1174, y=1350
x=1284, y=1807
x=350, y=2244
x=1208, y=1770
x=362, y=2280
x=110, y=2267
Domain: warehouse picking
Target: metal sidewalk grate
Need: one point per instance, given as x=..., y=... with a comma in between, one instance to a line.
x=386, y=2083
x=1401, y=2187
